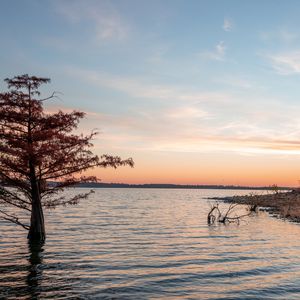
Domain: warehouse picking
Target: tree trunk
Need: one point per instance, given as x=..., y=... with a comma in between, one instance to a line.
x=37, y=225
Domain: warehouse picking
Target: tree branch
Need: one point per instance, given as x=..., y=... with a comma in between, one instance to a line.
x=50, y=97
x=13, y=219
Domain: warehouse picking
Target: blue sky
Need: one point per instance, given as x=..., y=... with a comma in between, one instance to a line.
x=174, y=84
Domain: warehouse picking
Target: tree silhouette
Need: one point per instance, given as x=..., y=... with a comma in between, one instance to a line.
x=39, y=154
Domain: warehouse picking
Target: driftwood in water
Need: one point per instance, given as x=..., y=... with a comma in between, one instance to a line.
x=215, y=214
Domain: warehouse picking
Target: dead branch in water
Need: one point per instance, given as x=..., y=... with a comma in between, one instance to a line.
x=215, y=214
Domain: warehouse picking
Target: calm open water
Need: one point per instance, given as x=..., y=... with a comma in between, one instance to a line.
x=151, y=244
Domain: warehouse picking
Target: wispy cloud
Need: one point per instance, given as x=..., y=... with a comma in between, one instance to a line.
x=217, y=54
x=194, y=121
x=235, y=81
x=107, y=22
x=282, y=34
x=163, y=133
x=285, y=63
x=189, y=112
x=158, y=53
x=227, y=24
x=139, y=88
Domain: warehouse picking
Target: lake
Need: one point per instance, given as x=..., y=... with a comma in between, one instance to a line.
x=151, y=244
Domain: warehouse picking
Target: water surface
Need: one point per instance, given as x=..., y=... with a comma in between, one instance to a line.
x=151, y=244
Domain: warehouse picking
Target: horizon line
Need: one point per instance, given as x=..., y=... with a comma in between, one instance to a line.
x=174, y=185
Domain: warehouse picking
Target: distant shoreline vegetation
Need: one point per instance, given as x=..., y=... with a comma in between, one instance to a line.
x=174, y=186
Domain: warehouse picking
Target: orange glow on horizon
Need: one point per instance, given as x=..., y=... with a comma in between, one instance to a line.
x=225, y=169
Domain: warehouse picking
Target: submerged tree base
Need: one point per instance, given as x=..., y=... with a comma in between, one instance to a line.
x=36, y=236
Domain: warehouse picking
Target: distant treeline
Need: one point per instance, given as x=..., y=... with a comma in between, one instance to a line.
x=169, y=186
x=174, y=186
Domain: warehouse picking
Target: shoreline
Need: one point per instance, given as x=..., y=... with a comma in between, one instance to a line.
x=285, y=205
x=176, y=186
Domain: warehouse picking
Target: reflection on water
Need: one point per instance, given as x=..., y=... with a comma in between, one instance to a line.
x=34, y=277
x=141, y=244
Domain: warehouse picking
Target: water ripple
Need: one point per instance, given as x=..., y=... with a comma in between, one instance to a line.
x=151, y=244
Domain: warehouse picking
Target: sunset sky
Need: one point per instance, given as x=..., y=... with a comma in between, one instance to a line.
x=196, y=92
